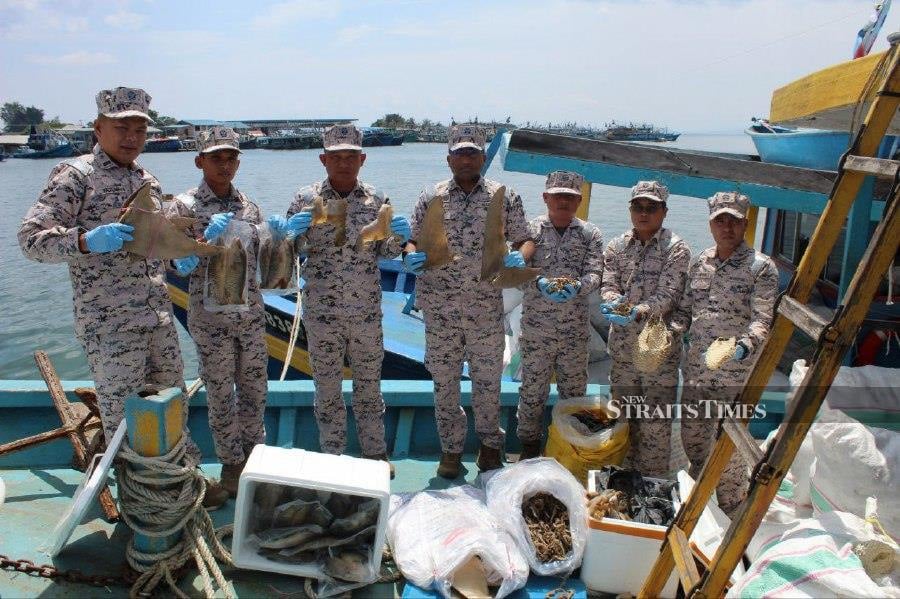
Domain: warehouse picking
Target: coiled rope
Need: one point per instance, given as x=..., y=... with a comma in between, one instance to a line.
x=161, y=496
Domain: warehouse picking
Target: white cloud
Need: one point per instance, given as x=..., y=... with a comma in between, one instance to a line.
x=125, y=20
x=78, y=59
x=288, y=13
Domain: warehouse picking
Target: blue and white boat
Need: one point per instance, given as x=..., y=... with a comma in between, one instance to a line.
x=48, y=144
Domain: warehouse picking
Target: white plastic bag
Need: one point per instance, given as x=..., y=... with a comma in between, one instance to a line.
x=508, y=488
x=432, y=533
x=226, y=282
x=277, y=257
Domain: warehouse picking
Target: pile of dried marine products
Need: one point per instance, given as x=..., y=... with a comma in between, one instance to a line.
x=547, y=519
x=332, y=531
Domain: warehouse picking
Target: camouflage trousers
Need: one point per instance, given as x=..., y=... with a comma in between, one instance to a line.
x=698, y=435
x=233, y=360
x=478, y=340
x=543, y=353
x=650, y=438
x=361, y=340
x=124, y=363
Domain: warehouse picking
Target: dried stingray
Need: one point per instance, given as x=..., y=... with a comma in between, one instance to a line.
x=495, y=250
x=291, y=536
x=366, y=515
x=333, y=213
x=432, y=237
x=352, y=566
x=155, y=235
x=378, y=229
x=276, y=263
x=227, y=274
x=365, y=535
x=652, y=346
x=720, y=351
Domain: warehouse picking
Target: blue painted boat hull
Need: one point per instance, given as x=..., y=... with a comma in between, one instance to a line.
x=807, y=148
x=63, y=151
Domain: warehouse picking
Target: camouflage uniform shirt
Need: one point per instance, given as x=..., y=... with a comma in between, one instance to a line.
x=111, y=291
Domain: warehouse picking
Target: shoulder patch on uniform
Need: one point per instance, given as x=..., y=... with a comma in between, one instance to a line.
x=80, y=164
x=759, y=262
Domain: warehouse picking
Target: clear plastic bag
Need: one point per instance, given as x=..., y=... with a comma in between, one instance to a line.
x=226, y=281
x=511, y=487
x=277, y=258
x=434, y=533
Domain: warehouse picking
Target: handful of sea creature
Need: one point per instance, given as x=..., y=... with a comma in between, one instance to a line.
x=652, y=346
x=622, y=308
x=495, y=250
x=378, y=229
x=547, y=520
x=226, y=274
x=276, y=263
x=720, y=351
x=608, y=503
x=592, y=421
x=334, y=213
x=330, y=530
x=558, y=283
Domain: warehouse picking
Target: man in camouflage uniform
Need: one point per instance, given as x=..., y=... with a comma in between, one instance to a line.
x=555, y=318
x=230, y=345
x=342, y=295
x=730, y=293
x=464, y=315
x=122, y=310
x=646, y=267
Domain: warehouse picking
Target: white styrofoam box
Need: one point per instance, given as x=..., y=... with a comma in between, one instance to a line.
x=308, y=470
x=620, y=553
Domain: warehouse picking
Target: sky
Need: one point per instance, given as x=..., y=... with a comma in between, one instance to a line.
x=691, y=65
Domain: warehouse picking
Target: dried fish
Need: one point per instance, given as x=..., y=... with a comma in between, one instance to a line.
x=320, y=515
x=276, y=263
x=266, y=497
x=363, y=536
x=352, y=566
x=609, y=503
x=289, y=536
x=158, y=236
x=378, y=229
x=495, y=249
x=227, y=275
x=366, y=515
x=432, y=237
x=342, y=505
x=333, y=213
x=293, y=513
x=720, y=351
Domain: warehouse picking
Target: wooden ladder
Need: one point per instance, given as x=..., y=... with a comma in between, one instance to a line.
x=833, y=338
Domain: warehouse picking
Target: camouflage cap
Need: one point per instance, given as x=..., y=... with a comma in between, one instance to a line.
x=342, y=137
x=218, y=138
x=728, y=202
x=652, y=190
x=123, y=102
x=564, y=182
x=466, y=136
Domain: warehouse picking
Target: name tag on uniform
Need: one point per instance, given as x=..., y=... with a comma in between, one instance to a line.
x=701, y=283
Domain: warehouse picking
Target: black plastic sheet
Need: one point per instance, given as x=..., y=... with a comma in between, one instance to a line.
x=650, y=500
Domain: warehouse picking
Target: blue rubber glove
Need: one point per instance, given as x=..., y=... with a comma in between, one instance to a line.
x=299, y=223
x=542, y=284
x=217, y=225
x=607, y=307
x=740, y=352
x=108, y=238
x=619, y=320
x=413, y=262
x=514, y=260
x=400, y=228
x=278, y=225
x=570, y=290
x=184, y=266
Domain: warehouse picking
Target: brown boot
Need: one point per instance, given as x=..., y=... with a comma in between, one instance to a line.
x=488, y=458
x=231, y=475
x=215, y=496
x=381, y=458
x=450, y=465
x=530, y=449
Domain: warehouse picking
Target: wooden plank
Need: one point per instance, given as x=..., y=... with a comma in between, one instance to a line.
x=585, y=204
x=750, y=233
x=740, y=169
x=877, y=167
x=828, y=98
x=34, y=440
x=684, y=559
x=802, y=316
x=742, y=441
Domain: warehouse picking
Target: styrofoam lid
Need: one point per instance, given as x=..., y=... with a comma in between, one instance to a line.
x=87, y=491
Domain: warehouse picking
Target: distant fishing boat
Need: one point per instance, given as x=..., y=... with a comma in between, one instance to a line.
x=296, y=140
x=643, y=132
x=48, y=144
x=163, y=144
